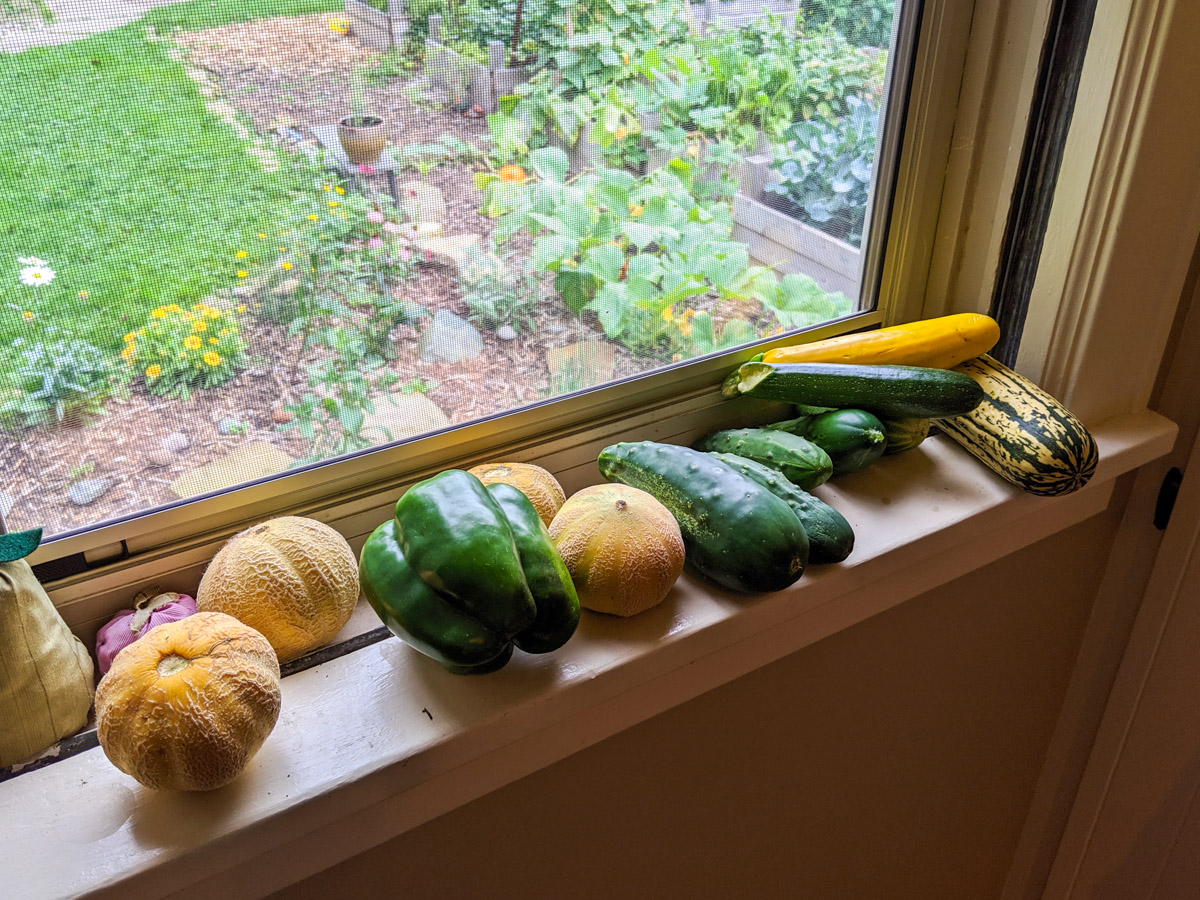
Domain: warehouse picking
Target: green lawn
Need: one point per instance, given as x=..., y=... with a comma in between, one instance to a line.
x=113, y=171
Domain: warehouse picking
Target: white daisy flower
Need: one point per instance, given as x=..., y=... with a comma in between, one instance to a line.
x=34, y=275
x=31, y=261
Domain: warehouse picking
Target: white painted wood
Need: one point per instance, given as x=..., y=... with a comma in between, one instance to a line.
x=356, y=759
x=1137, y=798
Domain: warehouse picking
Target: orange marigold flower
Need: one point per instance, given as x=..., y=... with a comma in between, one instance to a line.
x=212, y=358
x=153, y=371
x=192, y=342
x=513, y=174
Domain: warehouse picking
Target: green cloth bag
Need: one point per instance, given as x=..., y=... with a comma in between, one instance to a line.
x=46, y=680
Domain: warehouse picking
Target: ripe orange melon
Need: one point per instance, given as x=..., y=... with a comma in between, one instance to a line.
x=185, y=707
x=622, y=547
x=542, y=488
x=293, y=579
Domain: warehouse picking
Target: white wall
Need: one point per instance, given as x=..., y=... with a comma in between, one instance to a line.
x=896, y=759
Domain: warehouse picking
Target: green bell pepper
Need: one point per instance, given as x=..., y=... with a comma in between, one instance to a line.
x=463, y=573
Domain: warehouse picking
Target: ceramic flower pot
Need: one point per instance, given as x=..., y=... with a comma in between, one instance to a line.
x=363, y=138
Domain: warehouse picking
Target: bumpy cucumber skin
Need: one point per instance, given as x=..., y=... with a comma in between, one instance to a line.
x=830, y=537
x=546, y=573
x=801, y=461
x=457, y=539
x=897, y=391
x=735, y=531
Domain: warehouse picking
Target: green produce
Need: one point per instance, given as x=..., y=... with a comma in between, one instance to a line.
x=801, y=461
x=456, y=537
x=830, y=537
x=545, y=573
x=1022, y=433
x=904, y=434
x=898, y=391
x=853, y=438
x=497, y=533
x=422, y=617
x=735, y=531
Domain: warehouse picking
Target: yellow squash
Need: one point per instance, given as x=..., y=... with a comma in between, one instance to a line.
x=933, y=343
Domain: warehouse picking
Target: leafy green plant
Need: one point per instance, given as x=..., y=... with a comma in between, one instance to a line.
x=825, y=171
x=178, y=350
x=501, y=295
x=52, y=380
x=862, y=22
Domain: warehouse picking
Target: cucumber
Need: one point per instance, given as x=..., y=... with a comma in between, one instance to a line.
x=904, y=434
x=735, y=531
x=897, y=391
x=801, y=461
x=853, y=438
x=830, y=537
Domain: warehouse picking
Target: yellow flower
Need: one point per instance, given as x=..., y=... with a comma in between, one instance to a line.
x=313, y=217
x=141, y=332
x=242, y=308
x=261, y=236
x=83, y=295
x=242, y=273
x=327, y=187
x=224, y=332
x=27, y=315
x=635, y=209
x=129, y=338
x=620, y=133
x=199, y=325
x=283, y=249
x=285, y=265
x=128, y=353
x=192, y=342
x=668, y=315
x=212, y=358
x=339, y=189
x=153, y=371
x=212, y=340
x=333, y=203
x=241, y=254
x=175, y=308
x=159, y=313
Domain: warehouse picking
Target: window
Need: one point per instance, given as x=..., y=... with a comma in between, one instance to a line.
x=244, y=239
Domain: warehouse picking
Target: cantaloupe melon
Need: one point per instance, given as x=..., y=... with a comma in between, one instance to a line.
x=185, y=707
x=542, y=488
x=293, y=579
x=622, y=547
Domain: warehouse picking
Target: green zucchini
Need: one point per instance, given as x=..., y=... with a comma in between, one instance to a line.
x=899, y=391
x=735, y=531
x=801, y=461
x=1022, y=433
x=904, y=434
x=830, y=537
x=853, y=438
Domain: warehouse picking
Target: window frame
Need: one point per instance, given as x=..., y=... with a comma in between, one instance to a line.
x=330, y=491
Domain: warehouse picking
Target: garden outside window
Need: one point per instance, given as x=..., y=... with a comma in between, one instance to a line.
x=215, y=296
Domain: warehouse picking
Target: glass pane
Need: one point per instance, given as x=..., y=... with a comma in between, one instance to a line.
x=239, y=237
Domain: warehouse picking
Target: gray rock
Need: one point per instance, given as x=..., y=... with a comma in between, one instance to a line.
x=81, y=493
x=230, y=425
x=449, y=339
x=506, y=333
x=176, y=442
x=286, y=288
x=7, y=502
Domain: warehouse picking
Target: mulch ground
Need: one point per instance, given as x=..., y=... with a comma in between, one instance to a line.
x=290, y=74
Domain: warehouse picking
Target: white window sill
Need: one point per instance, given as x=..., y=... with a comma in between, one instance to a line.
x=382, y=740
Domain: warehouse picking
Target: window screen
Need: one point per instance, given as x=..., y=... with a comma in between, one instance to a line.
x=237, y=238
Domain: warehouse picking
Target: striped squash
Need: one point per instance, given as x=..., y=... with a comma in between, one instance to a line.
x=1022, y=433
